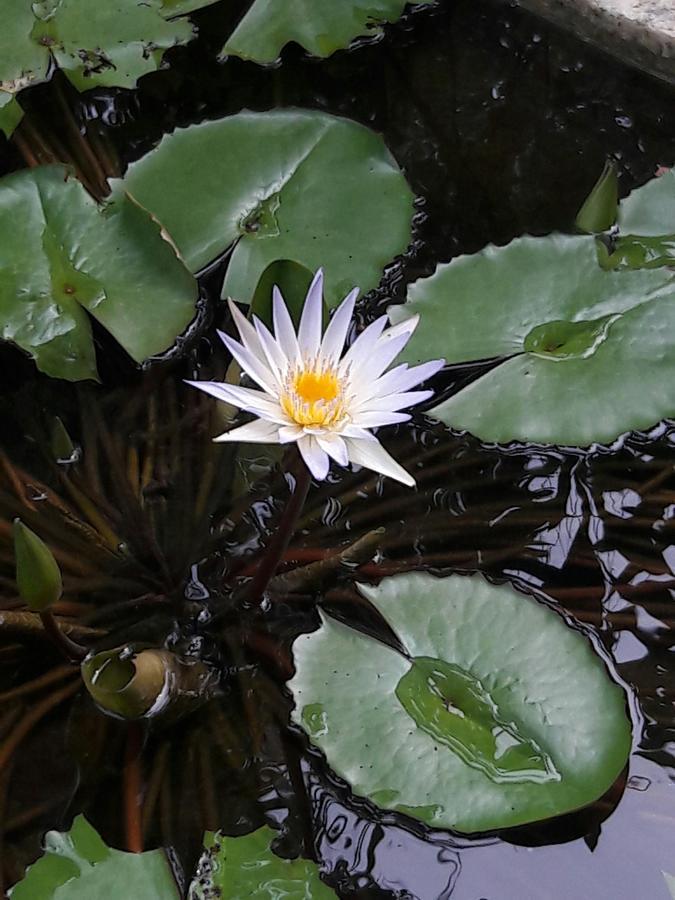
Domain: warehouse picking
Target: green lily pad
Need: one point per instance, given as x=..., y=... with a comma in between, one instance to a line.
x=599, y=209
x=77, y=865
x=110, y=44
x=321, y=27
x=63, y=258
x=290, y=185
x=647, y=227
x=502, y=715
x=173, y=8
x=236, y=868
x=591, y=354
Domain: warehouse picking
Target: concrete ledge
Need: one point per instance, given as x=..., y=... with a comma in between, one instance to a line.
x=639, y=32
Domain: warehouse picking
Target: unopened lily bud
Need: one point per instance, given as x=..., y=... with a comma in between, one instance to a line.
x=38, y=576
x=599, y=210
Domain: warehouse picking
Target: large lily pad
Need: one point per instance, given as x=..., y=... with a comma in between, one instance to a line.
x=77, y=865
x=502, y=715
x=63, y=258
x=591, y=354
x=646, y=223
x=290, y=185
x=110, y=43
x=321, y=27
x=236, y=868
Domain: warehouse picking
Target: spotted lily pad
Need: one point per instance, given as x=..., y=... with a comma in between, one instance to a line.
x=646, y=227
x=110, y=43
x=77, y=865
x=291, y=185
x=589, y=354
x=235, y=868
x=63, y=258
x=501, y=715
x=321, y=27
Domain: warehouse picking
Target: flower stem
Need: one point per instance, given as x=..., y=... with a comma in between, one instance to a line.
x=282, y=537
x=73, y=652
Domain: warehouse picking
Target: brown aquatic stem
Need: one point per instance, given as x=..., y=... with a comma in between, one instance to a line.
x=72, y=651
x=132, y=777
x=282, y=536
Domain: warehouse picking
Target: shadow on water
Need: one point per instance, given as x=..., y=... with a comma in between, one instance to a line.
x=502, y=125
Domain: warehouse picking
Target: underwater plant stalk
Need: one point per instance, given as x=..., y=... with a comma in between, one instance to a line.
x=282, y=536
x=73, y=651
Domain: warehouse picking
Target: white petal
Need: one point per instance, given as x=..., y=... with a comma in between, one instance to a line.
x=372, y=455
x=309, y=333
x=334, y=446
x=289, y=433
x=376, y=418
x=363, y=346
x=383, y=354
x=247, y=332
x=336, y=333
x=354, y=431
x=391, y=402
x=284, y=330
x=256, y=367
x=316, y=459
x=276, y=358
x=402, y=378
x=405, y=327
x=252, y=401
x=258, y=432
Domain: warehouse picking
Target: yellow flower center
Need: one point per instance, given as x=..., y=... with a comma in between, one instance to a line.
x=313, y=397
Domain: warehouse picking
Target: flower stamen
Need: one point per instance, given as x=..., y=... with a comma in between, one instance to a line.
x=313, y=396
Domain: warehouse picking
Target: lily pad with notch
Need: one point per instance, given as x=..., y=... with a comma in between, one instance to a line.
x=321, y=27
x=291, y=185
x=588, y=354
x=246, y=866
x=109, y=44
x=500, y=715
x=77, y=865
x=63, y=258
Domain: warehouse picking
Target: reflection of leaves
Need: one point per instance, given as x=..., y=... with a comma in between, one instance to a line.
x=321, y=27
x=559, y=735
x=293, y=185
x=62, y=256
x=111, y=43
x=237, y=867
x=573, y=332
x=77, y=865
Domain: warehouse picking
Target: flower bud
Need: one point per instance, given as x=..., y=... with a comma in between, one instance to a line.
x=38, y=576
x=599, y=210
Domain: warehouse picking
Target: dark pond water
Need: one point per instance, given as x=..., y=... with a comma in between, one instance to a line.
x=502, y=125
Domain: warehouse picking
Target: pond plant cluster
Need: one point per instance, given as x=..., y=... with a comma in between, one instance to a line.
x=175, y=611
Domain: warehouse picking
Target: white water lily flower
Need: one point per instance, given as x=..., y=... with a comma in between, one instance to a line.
x=311, y=394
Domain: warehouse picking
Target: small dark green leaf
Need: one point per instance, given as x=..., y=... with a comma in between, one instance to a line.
x=292, y=279
x=599, y=209
x=77, y=865
x=234, y=868
x=38, y=576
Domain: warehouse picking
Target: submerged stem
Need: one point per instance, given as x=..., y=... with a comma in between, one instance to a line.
x=282, y=536
x=73, y=651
